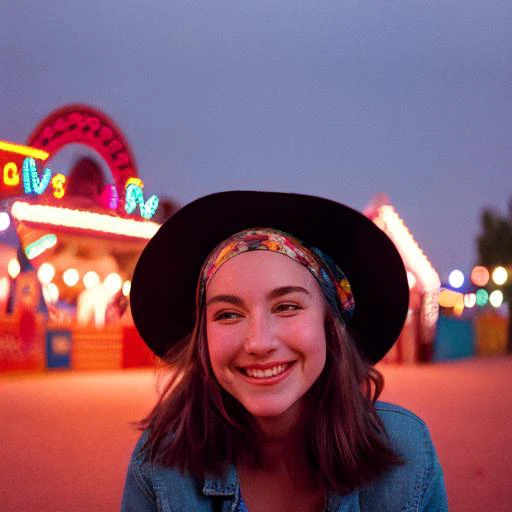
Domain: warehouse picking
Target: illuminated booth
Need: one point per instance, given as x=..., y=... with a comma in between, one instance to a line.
x=68, y=247
x=418, y=334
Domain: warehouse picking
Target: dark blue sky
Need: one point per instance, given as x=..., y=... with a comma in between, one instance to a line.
x=337, y=98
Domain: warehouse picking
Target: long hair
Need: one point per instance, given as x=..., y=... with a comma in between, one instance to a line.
x=199, y=428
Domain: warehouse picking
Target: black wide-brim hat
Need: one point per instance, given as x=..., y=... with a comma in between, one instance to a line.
x=164, y=283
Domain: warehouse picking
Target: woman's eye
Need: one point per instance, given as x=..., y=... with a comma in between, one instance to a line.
x=226, y=315
x=287, y=308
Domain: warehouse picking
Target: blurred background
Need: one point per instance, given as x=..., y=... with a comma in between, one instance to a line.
x=115, y=114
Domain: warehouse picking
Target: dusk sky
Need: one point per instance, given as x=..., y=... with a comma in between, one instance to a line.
x=342, y=99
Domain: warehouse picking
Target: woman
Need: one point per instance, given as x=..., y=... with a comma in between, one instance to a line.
x=271, y=309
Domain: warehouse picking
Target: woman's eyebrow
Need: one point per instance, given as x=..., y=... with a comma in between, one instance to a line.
x=284, y=290
x=231, y=299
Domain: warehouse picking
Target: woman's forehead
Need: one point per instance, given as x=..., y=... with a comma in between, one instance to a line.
x=261, y=268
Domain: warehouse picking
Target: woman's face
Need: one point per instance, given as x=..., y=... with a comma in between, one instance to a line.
x=265, y=329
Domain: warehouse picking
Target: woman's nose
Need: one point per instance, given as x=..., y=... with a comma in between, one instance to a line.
x=260, y=339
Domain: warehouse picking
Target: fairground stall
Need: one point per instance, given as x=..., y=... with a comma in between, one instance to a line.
x=68, y=246
x=416, y=342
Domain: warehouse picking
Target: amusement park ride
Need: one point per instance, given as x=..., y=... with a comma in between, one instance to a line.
x=64, y=284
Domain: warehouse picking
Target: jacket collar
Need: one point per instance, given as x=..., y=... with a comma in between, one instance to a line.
x=227, y=485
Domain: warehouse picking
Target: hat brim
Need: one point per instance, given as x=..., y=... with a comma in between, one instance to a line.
x=164, y=283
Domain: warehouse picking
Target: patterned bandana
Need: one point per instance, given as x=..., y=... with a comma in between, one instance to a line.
x=329, y=276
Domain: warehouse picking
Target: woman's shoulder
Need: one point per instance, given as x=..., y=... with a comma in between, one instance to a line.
x=150, y=486
x=418, y=483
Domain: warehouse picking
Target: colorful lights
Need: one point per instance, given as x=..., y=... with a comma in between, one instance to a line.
x=13, y=268
x=83, y=220
x=5, y=221
x=32, y=184
x=46, y=273
x=449, y=298
x=29, y=151
x=395, y=227
x=91, y=279
x=59, y=182
x=500, y=275
x=470, y=300
x=110, y=197
x=11, y=174
x=482, y=297
x=480, y=275
x=37, y=248
x=135, y=196
x=496, y=298
x=70, y=277
x=456, y=278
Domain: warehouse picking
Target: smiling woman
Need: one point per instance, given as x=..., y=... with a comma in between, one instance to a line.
x=271, y=309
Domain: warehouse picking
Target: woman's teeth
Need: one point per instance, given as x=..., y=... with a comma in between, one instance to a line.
x=265, y=374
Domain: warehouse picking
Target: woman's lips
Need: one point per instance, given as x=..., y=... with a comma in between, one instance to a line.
x=269, y=373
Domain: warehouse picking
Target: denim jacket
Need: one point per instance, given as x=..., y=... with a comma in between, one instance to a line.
x=418, y=485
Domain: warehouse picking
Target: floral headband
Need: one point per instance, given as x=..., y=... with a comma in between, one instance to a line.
x=332, y=280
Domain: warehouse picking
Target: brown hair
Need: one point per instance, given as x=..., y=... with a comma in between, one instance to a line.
x=198, y=427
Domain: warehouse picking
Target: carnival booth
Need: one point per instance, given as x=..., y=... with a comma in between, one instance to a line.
x=69, y=247
x=416, y=342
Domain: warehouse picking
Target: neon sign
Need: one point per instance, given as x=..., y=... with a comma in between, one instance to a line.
x=29, y=181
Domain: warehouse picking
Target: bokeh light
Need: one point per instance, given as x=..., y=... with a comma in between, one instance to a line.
x=456, y=278
x=480, y=275
x=13, y=268
x=127, y=285
x=46, y=273
x=70, y=277
x=470, y=300
x=500, y=275
x=5, y=221
x=496, y=298
x=482, y=297
x=113, y=282
x=4, y=287
x=91, y=279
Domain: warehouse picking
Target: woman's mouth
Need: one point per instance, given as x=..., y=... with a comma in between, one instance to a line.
x=265, y=373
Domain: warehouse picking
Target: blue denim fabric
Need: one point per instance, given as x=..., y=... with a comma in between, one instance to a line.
x=416, y=486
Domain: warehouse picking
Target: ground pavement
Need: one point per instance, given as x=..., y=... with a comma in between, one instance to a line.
x=66, y=437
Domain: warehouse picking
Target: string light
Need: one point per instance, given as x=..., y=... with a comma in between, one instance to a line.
x=83, y=220
x=408, y=247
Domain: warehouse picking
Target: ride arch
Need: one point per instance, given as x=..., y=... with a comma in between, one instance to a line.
x=89, y=126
